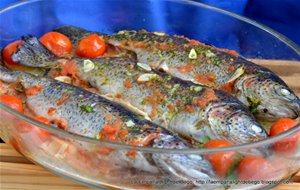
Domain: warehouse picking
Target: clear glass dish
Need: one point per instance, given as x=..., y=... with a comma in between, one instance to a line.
x=74, y=156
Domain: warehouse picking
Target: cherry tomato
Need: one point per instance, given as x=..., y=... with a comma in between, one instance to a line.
x=42, y=134
x=220, y=161
x=57, y=43
x=254, y=168
x=91, y=46
x=288, y=144
x=13, y=102
x=8, y=51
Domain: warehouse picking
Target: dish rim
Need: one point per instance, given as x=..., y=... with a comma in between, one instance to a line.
x=118, y=146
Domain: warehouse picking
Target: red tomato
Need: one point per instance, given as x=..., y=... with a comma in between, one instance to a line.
x=220, y=161
x=13, y=102
x=57, y=43
x=8, y=51
x=91, y=46
x=288, y=144
x=42, y=134
x=254, y=168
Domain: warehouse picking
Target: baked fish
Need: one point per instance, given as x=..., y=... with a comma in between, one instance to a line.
x=190, y=110
x=261, y=90
x=87, y=114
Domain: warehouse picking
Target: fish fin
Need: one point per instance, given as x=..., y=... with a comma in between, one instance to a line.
x=33, y=53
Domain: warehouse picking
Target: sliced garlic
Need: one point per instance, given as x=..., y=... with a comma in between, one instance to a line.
x=121, y=32
x=159, y=33
x=146, y=77
x=164, y=66
x=129, y=123
x=64, y=79
x=193, y=54
x=88, y=65
x=196, y=88
x=209, y=54
x=238, y=72
x=144, y=66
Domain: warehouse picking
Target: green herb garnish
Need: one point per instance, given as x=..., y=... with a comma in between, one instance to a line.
x=87, y=108
x=253, y=105
x=19, y=88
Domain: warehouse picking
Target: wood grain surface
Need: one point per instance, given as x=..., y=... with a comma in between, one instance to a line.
x=17, y=173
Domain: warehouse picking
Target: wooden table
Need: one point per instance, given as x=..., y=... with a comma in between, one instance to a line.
x=17, y=173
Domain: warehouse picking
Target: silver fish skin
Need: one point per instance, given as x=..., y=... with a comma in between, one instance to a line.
x=257, y=87
x=190, y=110
x=262, y=91
x=89, y=122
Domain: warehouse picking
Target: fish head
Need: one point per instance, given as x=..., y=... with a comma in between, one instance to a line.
x=269, y=98
x=187, y=167
x=234, y=123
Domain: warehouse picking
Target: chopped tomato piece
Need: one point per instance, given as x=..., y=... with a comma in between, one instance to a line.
x=42, y=134
x=104, y=151
x=34, y=90
x=91, y=46
x=149, y=138
x=127, y=83
x=221, y=161
x=254, y=168
x=208, y=96
x=288, y=144
x=185, y=69
x=207, y=80
x=108, y=129
x=8, y=51
x=51, y=111
x=13, y=102
x=57, y=43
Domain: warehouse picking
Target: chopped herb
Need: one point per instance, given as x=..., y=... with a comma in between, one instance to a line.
x=253, y=104
x=231, y=174
x=167, y=78
x=188, y=99
x=135, y=128
x=217, y=61
x=209, y=53
x=143, y=102
x=204, y=141
x=59, y=67
x=19, y=88
x=124, y=118
x=87, y=108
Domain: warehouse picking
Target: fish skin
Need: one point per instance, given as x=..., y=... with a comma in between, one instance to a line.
x=76, y=32
x=106, y=112
x=219, y=62
x=222, y=117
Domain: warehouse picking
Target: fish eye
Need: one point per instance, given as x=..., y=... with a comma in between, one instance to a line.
x=286, y=93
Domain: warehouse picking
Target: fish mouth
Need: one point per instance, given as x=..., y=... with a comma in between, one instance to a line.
x=273, y=110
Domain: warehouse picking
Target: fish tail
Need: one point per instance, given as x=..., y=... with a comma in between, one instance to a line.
x=33, y=53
